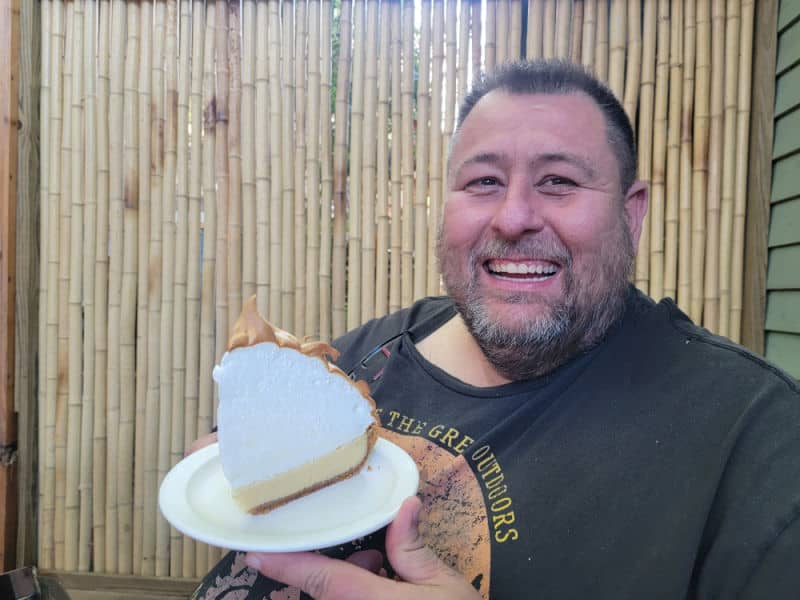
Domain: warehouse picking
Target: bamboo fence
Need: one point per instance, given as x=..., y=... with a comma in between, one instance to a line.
x=197, y=152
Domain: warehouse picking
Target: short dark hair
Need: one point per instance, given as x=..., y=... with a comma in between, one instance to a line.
x=562, y=77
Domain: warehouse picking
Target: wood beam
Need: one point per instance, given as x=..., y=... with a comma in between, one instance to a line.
x=759, y=181
x=9, y=69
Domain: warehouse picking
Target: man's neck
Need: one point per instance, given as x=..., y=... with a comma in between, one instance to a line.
x=453, y=349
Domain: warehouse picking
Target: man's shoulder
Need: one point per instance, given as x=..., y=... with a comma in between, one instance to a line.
x=669, y=333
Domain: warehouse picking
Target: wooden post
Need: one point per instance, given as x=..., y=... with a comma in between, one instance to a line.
x=29, y=253
x=9, y=37
x=754, y=302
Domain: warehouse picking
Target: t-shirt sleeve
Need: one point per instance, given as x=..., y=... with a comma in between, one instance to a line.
x=751, y=545
x=776, y=575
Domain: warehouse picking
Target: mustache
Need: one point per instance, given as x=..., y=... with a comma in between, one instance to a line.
x=538, y=247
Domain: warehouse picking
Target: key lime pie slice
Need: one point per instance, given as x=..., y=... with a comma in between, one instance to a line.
x=289, y=422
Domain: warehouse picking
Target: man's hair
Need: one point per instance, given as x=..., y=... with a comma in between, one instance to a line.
x=562, y=77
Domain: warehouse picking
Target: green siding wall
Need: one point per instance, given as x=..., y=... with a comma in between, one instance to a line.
x=782, y=343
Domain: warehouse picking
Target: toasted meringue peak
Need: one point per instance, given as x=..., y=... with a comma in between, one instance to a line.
x=251, y=329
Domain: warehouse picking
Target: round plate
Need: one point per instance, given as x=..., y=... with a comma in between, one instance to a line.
x=196, y=499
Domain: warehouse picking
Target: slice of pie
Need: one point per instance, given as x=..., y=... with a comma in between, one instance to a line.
x=289, y=421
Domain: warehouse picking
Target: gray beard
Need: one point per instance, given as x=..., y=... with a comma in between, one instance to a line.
x=574, y=324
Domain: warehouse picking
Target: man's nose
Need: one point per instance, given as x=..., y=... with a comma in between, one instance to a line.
x=519, y=212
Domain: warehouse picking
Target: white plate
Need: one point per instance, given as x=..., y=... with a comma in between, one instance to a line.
x=196, y=499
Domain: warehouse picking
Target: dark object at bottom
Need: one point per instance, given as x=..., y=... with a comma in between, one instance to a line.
x=20, y=584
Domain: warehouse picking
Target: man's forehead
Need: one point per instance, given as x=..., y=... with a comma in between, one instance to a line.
x=505, y=115
x=538, y=100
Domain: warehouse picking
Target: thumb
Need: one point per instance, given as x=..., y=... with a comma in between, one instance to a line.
x=407, y=552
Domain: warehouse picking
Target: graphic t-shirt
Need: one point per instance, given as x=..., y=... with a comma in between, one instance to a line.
x=664, y=463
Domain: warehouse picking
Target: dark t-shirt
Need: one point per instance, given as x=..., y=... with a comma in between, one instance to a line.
x=664, y=463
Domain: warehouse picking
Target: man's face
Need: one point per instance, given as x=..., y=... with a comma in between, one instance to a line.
x=537, y=239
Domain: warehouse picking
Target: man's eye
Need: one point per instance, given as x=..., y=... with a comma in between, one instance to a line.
x=483, y=182
x=556, y=180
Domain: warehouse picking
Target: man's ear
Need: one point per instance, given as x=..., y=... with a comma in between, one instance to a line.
x=635, y=207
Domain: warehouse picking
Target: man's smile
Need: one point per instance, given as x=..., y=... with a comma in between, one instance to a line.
x=521, y=270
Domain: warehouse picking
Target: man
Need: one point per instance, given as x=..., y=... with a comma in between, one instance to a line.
x=575, y=439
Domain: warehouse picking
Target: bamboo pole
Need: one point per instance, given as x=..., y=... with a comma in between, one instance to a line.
x=145, y=451
x=673, y=150
x=395, y=284
x=618, y=38
x=128, y=316
x=235, y=225
x=501, y=31
x=100, y=435
x=715, y=167
x=563, y=18
x=435, y=182
x=601, y=49
x=381, y=299
x=421, y=215
x=182, y=546
x=700, y=149
x=221, y=110
x=407, y=163
x=205, y=406
x=339, y=315
x=287, y=255
x=192, y=563
x=369, y=168
x=462, y=46
x=475, y=36
x=687, y=109
x=44, y=252
x=169, y=539
x=634, y=59
x=62, y=395
x=549, y=13
x=115, y=225
x=450, y=99
x=659, y=155
x=742, y=153
x=76, y=198
x=300, y=151
x=249, y=217
x=729, y=179
x=355, y=224
x=490, y=43
x=577, y=32
x=534, y=35
x=326, y=168
x=588, y=40
x=85, y=490
x=275, y=166
x=515, y=29
x=157, y=284
x=263, y=122
x=645, y=137
x=313, y=143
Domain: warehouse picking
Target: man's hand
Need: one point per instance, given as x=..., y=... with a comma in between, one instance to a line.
x=201, y=442
x=422, y=574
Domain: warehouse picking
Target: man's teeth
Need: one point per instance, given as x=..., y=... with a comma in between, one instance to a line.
x=522, y=268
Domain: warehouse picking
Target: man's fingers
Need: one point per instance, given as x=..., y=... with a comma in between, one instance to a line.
x=371, y=560
x=416, y=563
x=201, y=442
x=321, y=577
x=411, y=558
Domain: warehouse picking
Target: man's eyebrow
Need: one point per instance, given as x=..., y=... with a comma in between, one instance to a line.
x=483, y=157
x=566, y=157
x=491, y=158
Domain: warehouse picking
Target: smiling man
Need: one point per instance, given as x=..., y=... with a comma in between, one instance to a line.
x=575, y=438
